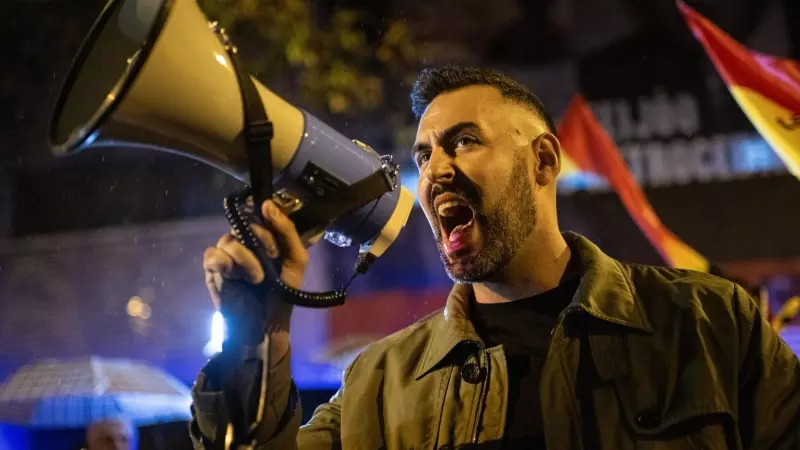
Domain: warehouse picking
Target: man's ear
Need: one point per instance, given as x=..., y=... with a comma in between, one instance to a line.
x=547, y=150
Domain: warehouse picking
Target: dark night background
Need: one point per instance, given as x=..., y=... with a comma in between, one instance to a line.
x=80, y=235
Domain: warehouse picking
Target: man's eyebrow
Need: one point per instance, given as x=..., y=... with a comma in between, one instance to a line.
x=447, y=135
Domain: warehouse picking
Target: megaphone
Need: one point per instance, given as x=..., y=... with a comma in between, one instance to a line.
x=156, y=74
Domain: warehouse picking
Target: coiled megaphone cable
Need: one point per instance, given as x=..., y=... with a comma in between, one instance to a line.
x=235, y=206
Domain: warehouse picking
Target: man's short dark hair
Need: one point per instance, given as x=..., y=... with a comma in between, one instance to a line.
x=432, y=82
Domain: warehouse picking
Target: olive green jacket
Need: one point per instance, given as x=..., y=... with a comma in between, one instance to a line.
x=643, y=358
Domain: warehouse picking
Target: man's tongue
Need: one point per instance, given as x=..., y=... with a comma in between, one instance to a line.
x=456, y=221
x=458, y=237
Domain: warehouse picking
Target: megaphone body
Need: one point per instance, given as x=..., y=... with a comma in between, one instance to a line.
x=153, y=74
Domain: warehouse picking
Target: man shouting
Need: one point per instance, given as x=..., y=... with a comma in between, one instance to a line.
x=544, y=341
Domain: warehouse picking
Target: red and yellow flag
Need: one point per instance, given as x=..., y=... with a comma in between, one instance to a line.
x=767, y=88
x=587, y=147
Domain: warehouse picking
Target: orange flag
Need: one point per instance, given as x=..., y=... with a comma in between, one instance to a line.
x=589, y=148
x=767, y=88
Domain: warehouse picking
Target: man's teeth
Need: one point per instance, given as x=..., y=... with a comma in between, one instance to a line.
x=448, y=209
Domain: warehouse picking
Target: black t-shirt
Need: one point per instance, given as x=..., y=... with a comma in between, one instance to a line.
x=523, y=328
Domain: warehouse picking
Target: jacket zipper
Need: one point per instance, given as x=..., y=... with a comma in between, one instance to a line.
x=482, y=400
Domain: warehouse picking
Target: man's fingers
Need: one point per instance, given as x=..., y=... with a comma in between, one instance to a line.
x=217, y=265
x=230, y=259
x=266, y=238
x=214, y=286
x=314, y=239
x=217, y=261
x=227, y=238
x=244, y=260
x=286, y=231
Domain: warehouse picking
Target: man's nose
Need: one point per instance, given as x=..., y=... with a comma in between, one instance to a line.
x=440, y=167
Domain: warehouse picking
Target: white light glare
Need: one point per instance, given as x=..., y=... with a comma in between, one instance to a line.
x=214, y=344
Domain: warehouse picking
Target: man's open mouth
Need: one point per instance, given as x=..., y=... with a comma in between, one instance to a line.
x=455, y=216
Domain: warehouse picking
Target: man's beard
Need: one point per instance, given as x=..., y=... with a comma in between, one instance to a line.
x=504, y=227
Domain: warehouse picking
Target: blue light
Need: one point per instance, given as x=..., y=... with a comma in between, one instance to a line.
x=753, y=154
x=410, y=179
x=581, y=181
x=91, y=138
x=214, y=344
x=14, y=437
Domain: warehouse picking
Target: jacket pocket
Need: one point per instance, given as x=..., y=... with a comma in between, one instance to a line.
x=693, y=418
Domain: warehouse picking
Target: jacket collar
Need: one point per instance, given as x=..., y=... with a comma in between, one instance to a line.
x=605, y=292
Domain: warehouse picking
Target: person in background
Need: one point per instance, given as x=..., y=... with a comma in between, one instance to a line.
x=110, y=435
x=544, y=342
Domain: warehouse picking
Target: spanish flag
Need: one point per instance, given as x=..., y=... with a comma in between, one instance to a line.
x=588, y=148
x=767, y=88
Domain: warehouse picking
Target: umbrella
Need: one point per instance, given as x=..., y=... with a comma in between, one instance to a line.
x=76, y=393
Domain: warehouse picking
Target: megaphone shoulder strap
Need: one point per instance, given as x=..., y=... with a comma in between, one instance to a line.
x=258, y=133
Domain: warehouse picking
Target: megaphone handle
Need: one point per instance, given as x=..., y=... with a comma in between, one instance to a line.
x=237, y=216
x=244, y=310
x=247, y=343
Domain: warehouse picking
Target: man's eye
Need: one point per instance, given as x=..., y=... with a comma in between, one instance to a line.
x=464, y=141
x=421, y=158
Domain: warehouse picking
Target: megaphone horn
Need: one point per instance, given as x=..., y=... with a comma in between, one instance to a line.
x=156, y=74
